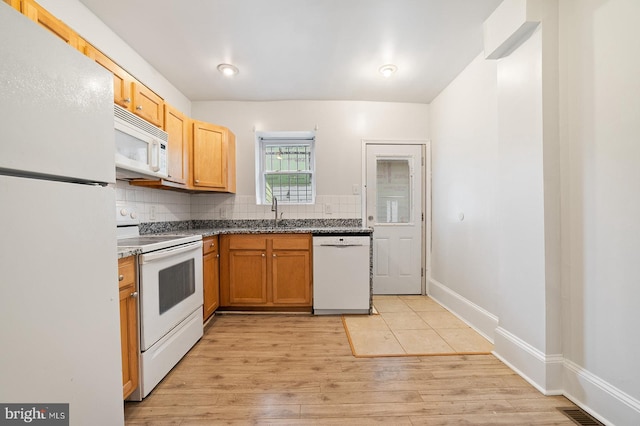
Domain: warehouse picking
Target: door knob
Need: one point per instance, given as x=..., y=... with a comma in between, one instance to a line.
x=370, y=218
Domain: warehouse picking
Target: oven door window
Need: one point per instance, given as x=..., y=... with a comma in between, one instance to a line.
x=176, y=283
x=170, y=290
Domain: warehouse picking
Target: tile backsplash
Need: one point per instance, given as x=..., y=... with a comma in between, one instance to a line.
x=156, y=205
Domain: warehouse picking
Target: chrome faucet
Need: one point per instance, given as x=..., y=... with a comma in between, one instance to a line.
x=274, y=208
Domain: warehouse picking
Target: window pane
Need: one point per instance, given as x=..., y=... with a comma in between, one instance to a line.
x=288, y=158
x=289, y=187
x=393, y=191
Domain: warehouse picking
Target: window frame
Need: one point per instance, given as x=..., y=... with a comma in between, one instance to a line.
x=282, y=138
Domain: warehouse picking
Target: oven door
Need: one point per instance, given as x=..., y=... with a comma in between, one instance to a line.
x=170, y=289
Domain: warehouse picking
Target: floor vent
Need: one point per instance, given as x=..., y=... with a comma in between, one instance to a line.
x=580, y=417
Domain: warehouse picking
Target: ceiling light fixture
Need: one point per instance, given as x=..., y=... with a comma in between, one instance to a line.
x=387, y=70
x=228, y=70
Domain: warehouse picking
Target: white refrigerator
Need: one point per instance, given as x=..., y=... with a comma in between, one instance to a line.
x=59, y=308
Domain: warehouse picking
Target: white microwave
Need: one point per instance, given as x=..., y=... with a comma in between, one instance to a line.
x=141, y=147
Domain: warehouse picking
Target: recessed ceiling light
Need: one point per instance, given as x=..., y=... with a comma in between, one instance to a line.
x=228, y=69
x=387, y=70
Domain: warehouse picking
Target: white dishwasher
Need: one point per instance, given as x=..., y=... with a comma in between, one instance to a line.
x=341, y=283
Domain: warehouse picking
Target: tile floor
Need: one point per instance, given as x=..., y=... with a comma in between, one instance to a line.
x=411, y=325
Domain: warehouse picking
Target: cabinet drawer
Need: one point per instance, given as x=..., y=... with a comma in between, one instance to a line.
x=291, y=242
x=126, y=271
x=247, y=242
x=210, y=245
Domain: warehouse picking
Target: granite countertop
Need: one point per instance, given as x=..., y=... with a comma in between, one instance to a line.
x=220, y=227
x=126, y=252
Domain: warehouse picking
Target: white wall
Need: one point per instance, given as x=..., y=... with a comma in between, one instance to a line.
x=84, y=22
x=464, y=146
x=577, y=186
x=341, y=127
x=600, y=128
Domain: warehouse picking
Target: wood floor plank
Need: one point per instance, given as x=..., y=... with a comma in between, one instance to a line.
x=299, y=370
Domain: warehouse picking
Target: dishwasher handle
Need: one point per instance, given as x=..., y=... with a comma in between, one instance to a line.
x=341, y=245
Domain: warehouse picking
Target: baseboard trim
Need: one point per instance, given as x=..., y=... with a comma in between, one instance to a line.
x=481, y=320
x=543, y=371
x=598, y=397
x=550, y=374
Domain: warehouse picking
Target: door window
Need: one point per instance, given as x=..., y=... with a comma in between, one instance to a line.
x=393, y=191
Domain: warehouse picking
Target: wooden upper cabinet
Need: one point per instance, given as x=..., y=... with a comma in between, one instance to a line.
x=176, y=124
x=38, y=14
x=128, y=92
x=214, y=157
x=13, y=3
x=147, y=104
x=122, y=80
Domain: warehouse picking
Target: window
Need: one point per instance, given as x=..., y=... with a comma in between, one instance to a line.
x=285, y=167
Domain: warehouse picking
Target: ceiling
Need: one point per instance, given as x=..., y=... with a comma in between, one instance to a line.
x=302, y=49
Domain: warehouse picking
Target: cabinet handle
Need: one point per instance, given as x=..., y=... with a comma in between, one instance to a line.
x=212, y=245
x=127, y=100
x=217, y=255
x=134, y=294
x=120, y=277
x=263, y=255
x=197, y=181
x=139, y=107
x=274, y=255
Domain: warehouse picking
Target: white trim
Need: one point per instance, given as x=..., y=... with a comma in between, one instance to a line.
x=543, y=371
x=550, y=374
x=598, y=397
x=476, y=317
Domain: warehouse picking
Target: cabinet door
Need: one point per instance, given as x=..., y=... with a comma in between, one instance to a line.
x=176, y=125
x=209, y=156
x=122, y=81
x=147, y=104
x=38, y=14
x=211, y=277
x=291, y=277
x=247, y=277
x=128, y=325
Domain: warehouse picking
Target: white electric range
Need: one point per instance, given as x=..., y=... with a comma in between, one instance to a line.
x=170, y=296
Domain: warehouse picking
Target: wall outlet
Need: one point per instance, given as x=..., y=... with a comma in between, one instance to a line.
x=328, y=209
x=355, y=189
x=152, y=213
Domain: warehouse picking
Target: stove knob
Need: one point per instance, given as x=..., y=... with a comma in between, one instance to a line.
x=134, y=215
x=124, y=212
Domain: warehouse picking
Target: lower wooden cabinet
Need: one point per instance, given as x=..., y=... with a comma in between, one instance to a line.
x=266, y=270
x=210, y=275
x=128, y=324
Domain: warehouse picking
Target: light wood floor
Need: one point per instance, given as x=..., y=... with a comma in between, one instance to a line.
x=298, y=370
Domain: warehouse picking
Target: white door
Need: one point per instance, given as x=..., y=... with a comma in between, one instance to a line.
x=394, y=210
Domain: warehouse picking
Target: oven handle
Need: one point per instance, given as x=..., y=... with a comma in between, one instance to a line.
x=163, y=254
